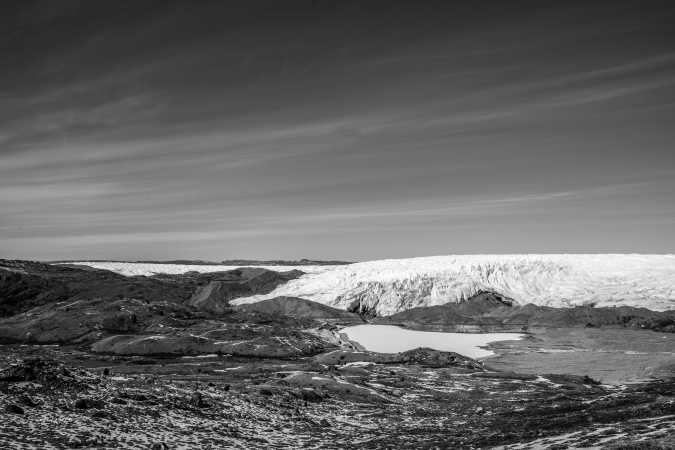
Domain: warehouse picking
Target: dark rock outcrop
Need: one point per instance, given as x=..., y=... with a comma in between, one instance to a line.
x=434, y=358
x=88, y=403
x=26, y=284
x=14, y=409
x=29, y=370
x=299, y=307
x=215, y=296
x=47, y=372
x=425, y=357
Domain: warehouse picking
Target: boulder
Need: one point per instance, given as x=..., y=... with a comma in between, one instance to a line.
x=88, y=403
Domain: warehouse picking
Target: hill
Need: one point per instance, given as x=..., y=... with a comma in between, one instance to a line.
x=487, y=311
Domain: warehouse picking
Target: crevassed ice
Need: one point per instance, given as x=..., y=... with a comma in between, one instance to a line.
x=393, y=285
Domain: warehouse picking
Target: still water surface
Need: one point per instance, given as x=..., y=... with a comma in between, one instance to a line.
x=393, y=339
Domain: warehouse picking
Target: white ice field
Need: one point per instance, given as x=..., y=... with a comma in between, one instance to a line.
x=393, y=285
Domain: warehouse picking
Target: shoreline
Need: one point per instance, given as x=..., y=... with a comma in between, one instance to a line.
x=465, y=344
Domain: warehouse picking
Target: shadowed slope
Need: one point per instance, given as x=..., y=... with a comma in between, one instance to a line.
x=299, y=307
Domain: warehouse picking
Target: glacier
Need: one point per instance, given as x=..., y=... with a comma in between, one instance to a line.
x=139, y=268
x=385, y=287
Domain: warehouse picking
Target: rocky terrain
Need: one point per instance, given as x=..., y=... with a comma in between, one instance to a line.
x=418, y=400
x=94, y=359
x=163, y=314
x=488, y=311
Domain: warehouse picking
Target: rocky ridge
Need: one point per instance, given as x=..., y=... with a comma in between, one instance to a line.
x=488, y=311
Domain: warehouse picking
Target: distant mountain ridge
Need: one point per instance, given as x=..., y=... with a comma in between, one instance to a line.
x=226, y=262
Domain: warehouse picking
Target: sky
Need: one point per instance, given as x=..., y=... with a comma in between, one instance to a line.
x=335, y=130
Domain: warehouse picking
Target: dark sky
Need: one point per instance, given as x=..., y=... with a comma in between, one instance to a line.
x=335, y=129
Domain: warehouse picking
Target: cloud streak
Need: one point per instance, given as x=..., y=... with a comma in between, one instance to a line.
x=316, y=130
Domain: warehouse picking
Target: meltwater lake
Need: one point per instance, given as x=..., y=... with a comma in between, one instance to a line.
x=393, y=339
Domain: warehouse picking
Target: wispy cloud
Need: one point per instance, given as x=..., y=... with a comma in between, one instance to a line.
x=179, y=128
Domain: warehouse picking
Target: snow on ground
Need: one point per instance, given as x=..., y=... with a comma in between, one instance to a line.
x=392, y=339
x=132, y=268
x=390, y=286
